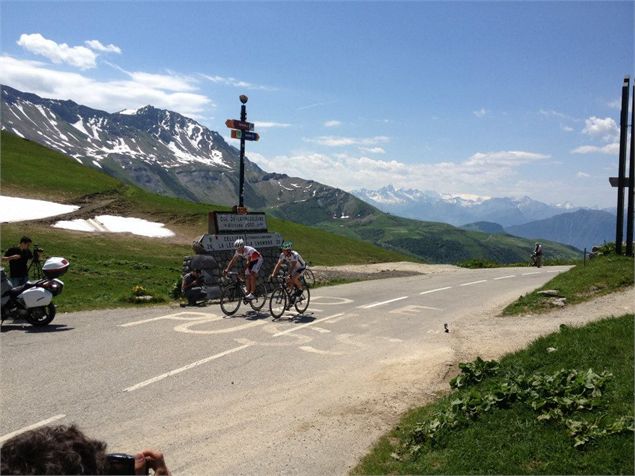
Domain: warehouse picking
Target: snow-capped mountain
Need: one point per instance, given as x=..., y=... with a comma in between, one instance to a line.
x=459, y=209
x=167, y=153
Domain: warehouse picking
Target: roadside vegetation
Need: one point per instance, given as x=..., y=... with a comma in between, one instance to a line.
x=557, y=407
x=562, y=406
x=602, y=275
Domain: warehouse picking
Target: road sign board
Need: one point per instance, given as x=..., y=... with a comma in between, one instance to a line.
x=226, y=242
x=242, y=125
x=244, y=135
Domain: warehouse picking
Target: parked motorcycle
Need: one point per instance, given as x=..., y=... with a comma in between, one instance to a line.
x=34, y=300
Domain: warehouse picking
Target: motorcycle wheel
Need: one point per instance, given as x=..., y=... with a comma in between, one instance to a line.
x=41, y=316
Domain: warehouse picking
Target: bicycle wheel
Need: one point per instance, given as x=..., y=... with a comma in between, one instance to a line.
x=309, y=278
x=230, y=298
x=302, y=301
x=261, y=297
x=278, y=303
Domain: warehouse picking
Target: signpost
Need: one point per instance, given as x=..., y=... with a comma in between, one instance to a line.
x=245, y=135
x=241, y=129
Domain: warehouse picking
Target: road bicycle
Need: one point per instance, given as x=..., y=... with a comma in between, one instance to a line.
x=233, y=293
x=284, y=296
x=308, y=278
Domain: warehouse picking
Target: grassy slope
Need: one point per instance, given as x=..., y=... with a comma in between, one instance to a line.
x=512, y=441
x=104, y=267
x=602, y=275
x=443, y=243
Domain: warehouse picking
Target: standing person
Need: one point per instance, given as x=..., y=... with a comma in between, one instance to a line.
x=295, y=266
x=191, y=286
x=18, y=258
x=538, y=255
x=254, y=260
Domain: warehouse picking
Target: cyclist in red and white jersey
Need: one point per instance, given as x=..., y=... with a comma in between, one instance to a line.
x=295, y=266
x=254, y=260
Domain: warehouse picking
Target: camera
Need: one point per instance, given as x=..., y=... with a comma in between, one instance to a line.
x=121, y=463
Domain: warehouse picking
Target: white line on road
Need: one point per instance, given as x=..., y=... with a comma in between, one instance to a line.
x=435, y=290
x=554, y=271
x=473, y=282
x=307, y=324
x=529, y=274
x=505, y=277
x=8, y=436
x=186, y=367
x=368, y=306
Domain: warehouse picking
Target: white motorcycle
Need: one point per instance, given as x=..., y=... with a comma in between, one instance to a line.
x=33, y=301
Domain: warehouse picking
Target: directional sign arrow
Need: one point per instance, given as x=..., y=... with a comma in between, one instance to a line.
x=242, y=125
x=244, y=135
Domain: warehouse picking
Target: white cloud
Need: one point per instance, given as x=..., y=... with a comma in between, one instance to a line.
x=229, y=81
x=336, y=141
x=608, y=149
x=332, y=123
x=140, y=90
x=582, y=175
x=480, y=174
x=270, y=125
x=604, y=128
x=373, y=150
x=78, y=56
x=507, y=158
x=482, y=112
x=99, y=46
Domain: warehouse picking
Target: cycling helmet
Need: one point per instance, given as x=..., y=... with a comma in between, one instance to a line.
x=239, y=243
x=287, y=245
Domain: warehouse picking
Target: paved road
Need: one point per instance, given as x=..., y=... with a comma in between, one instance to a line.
x=242, y=395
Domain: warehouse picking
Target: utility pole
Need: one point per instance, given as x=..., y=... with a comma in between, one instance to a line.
x=621, y=180
x=630, y=214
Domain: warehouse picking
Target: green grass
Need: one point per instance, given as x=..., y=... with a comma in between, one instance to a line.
x=512, y=440
x=105, y=267
x=599, y=276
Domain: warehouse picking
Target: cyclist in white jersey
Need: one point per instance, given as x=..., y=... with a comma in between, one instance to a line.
x=254, y=260
x=295, y=266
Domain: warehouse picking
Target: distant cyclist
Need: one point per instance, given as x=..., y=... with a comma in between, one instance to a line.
x=537, y=255
x=253, y=260
x=295, y=266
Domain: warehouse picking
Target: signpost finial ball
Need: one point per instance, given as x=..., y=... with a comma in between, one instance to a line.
x=243, y=99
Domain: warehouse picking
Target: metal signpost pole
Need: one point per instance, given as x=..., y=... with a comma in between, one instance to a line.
x=241, y=184
x=619, y=228
x=631, y=182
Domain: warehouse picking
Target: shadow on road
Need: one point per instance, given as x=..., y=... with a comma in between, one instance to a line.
x=28, y=328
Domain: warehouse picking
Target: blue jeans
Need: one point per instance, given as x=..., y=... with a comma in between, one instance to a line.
x=18, y=281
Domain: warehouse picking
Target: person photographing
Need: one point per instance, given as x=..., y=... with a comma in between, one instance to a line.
x=18, y=258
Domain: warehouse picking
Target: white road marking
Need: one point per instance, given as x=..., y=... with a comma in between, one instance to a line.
x=180, y=316
x=8, y=436
x=505, y=277
x=435, y=290
x=554, y=271
x=413, y=310
x=330, y=300
x=186, y=327
x=307, y=324
x=308, y=348
x=184, y=368
x=473, y=282
x=529, y=274
x=368, y=306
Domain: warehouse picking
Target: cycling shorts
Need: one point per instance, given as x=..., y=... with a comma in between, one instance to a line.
x=253, y=267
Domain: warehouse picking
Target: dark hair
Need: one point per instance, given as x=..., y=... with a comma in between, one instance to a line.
x=25, y=239
x=53, y=450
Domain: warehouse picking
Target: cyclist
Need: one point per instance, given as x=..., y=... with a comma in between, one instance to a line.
x=254, y=261
x=295, y=266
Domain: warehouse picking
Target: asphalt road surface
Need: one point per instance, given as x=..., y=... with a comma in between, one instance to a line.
x=246, y=395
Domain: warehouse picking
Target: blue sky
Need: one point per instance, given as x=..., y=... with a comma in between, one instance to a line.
x=483, y=98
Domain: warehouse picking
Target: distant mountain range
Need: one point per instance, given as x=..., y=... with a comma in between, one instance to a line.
x=460, y=209
x=166, y=153
x=170, y=154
